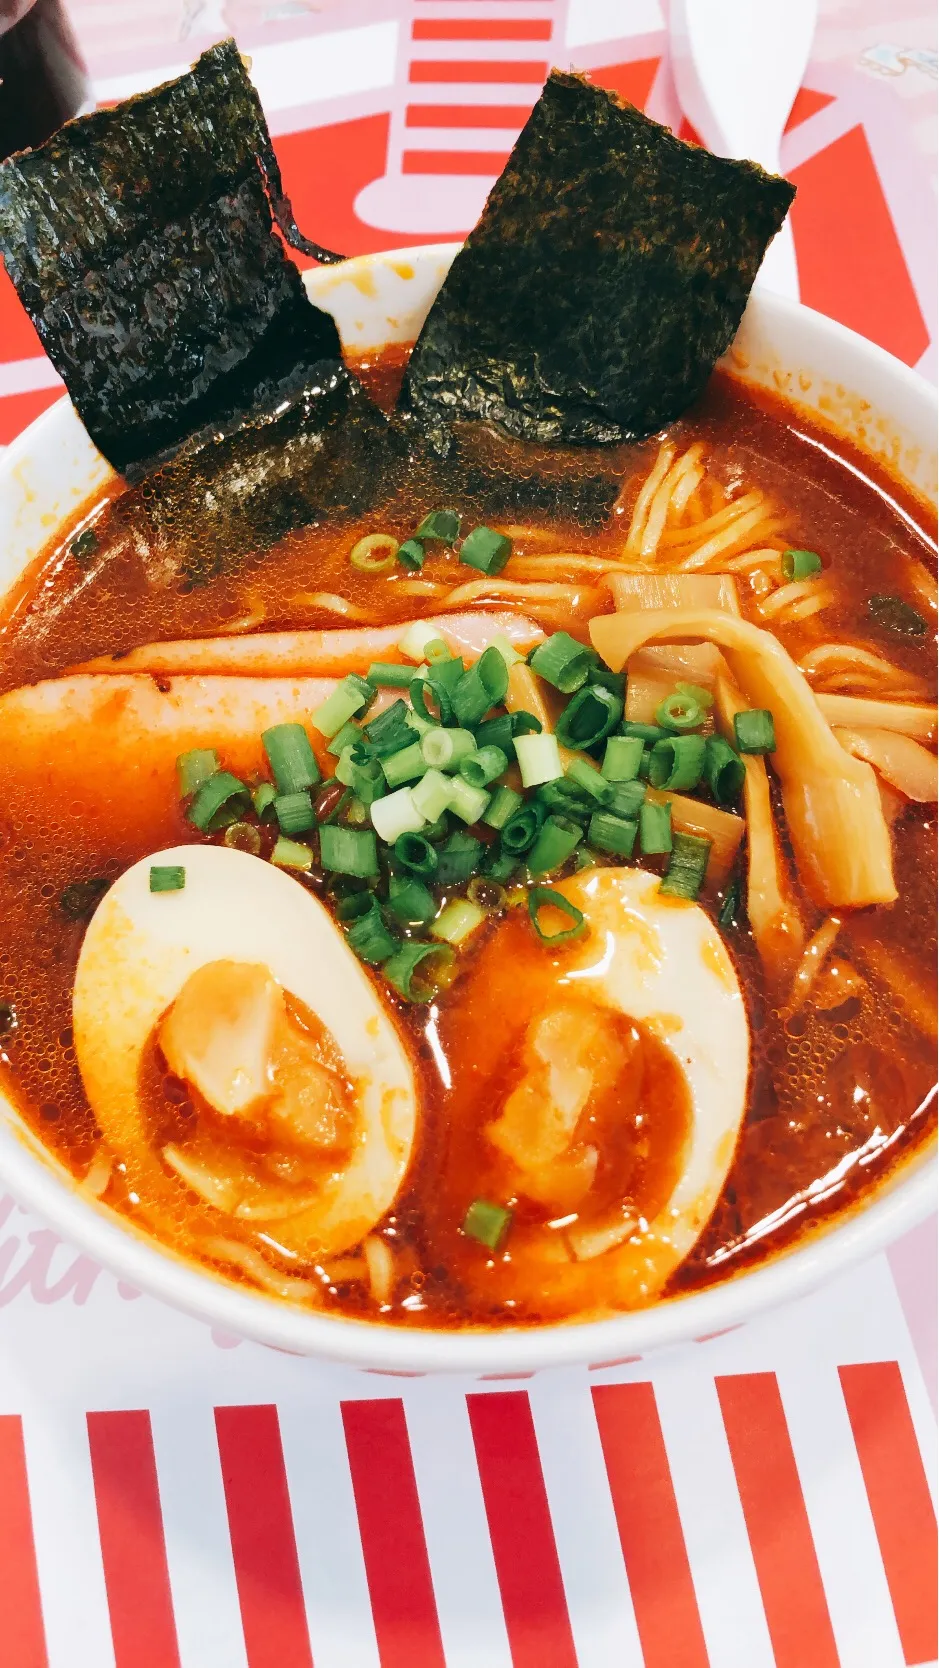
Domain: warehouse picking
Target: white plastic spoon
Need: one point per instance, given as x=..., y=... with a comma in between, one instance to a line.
x=738, y=65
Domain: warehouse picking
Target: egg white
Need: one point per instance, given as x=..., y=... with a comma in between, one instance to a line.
x=139, y=950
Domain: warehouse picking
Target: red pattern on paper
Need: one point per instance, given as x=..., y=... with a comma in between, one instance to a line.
x=133, y=1549
x=22, y=1635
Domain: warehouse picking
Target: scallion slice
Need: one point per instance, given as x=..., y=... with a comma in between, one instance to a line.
x=588, y=717
x=415, y=970
x=615, y=835
x=443, y=749
x=457, y=921
x=625, y=799
x=678, y=762
x=418, y=638
x=409, y=901
x=697, y=692
x=498, y=865
x=496, y=732
x=348, y=736
x=648, y=734
x=458, y=859
x=521, y=830
x=503, y=804
x=243, y=836
x=538, y=759
x=406, y=765
x=349, y=851
x=486, y=550
x=891, y=613
x=294, y=812
x=724, y=771
x=655, y=829
x=563, y=662
x=466, y=802
x=621, y=758
x=387, y=674
x=415, y=853
x=411, y=554
x=292, y=854
x=589, y=780
x=728, y=915
x=218, y=792
x=480, y=689
x=687, y=866
x=555, y=841
x=431, y=795
x=263, y=797
x=487, y=1223
x=524, y=724
x=567, y=799
x=368, y=935
x=374, y=554
x=390, y=732
x=194, y=768
x=353, y=695
x=679, y=712
x=800, y=564
x=440, y=524
x=584, y=858
x=507, y=650
x=363, y=774
x=754, y=731
x=291, y=758
x=544, y=897
x=430, y=689
x=482, y=767
x=397, y=814
x=167, y=877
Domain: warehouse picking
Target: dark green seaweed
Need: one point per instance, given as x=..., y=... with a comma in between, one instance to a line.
x=142, y=242
x=608, y=273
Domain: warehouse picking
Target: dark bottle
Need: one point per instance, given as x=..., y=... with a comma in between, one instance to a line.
x=42, y=77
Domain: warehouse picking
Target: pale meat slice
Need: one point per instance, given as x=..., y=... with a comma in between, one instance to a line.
x=332, y=654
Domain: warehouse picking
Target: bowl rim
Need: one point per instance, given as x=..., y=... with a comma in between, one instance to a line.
x=39, y=1181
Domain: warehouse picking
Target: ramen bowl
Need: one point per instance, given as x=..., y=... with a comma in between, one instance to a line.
x=377, y=301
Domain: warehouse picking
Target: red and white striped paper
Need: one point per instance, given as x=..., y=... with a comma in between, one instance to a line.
x=171, y=1498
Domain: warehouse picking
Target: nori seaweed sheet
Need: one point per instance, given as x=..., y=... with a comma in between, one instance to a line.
x=607, y=274
x=228, y=495
x=141, y=241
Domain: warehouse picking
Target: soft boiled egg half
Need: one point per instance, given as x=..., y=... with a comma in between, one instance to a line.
x=304, y=1106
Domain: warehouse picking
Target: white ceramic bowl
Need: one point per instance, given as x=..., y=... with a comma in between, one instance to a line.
x=377, y=299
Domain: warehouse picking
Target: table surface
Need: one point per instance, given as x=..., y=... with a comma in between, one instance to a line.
x=175, y=1498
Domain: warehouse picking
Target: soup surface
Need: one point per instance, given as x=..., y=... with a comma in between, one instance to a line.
x=572, y=1133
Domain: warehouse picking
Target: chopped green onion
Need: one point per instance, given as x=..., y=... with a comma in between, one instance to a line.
x=729, y=913
x=417, y=639
x=754, y=731
x=431, y=686
x=415, y=722
x=194, y=768
x=482, y=767
x=487, y=893
x=290, y=854
x=349, y=851
x=724, y=771
x=294, y=812
x=397, y=814
x=486, y=550
x=563, y=662
x=412, y=968
x=679, y=712
x=411, y=554
x=480, y=689
x=389, y=732
x=556, y=839
x=524, y=724
x=243, y=836
x=218, y=791
x=487, y=1223
x=588, y=778
x=350, y=696
x=687, y=866
x=584, y=858
x=167, y=877
x=800, y=564
x=891, y=613
x=612, y=834
x=443, y=749
x=352, y=812
x=615, y=682
x=621, y=758
x=507, y=650
x=625, y=799
x=588, y=717
x=697, y=692
x=415, y=852
x=83, y=546
x=263, y=797
x=348, y=736
x=436, y=650
x=498, y=866
x=538, y=759
x=404, y=766
x=521, y=830
x=678, y=762
x=503, y=804
x=440, y=524
x=655, y=829
x=496, y=732
x=447, y=670
x=544, y=897
x=431, y=794
x=648, y=734
x=457, y=920
x=368, y=935
x=291, y=758
x=364, y=775
x=566, y=798
x=466, y=802
x=388, y=674
x=409, y=901
x=440, y=827
x=374, y=554
x=458, y=859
